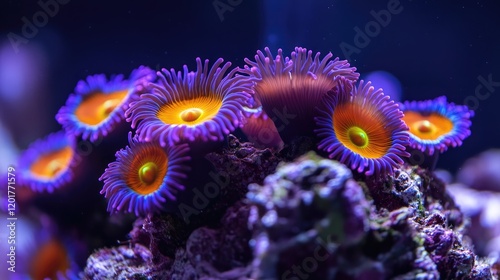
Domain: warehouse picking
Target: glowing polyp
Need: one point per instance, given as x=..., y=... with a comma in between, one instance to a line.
x=169, y=114
x=362, y=128
x=98, y=104
x=145, y=178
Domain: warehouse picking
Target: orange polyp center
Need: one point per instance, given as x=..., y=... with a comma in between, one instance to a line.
x=148, y=173
x=147, y=170
x=52, y=164
x=97, y=106
x=191, y=115
x=190, y=112
x=427, y=127
x=48, y=260
x=361, y=129
x=358, y=136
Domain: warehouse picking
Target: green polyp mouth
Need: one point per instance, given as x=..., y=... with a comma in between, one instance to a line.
x=358, y=136
x=148, y=173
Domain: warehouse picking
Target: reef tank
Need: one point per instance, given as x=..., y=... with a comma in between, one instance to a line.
x=238, y=139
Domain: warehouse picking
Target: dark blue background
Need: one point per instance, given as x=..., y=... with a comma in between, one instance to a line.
x=433, y=47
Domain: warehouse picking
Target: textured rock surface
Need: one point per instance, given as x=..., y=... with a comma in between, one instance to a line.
x=124, y=262
x=311, y=219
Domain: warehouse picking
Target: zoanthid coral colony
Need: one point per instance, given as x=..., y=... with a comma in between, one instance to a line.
x=170, y=114
x=349, y=120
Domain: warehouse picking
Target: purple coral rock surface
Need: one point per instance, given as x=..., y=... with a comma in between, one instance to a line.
x=308, y=219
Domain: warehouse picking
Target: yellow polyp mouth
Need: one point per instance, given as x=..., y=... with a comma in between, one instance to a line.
x=357, y=136
x=52, y=164
x=361, y=129
x=97, y=106
x=147, y=171
x=50, y=259
x=429, y=127
x=190, y=112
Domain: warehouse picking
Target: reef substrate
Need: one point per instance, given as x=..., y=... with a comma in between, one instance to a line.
x=310, y=218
